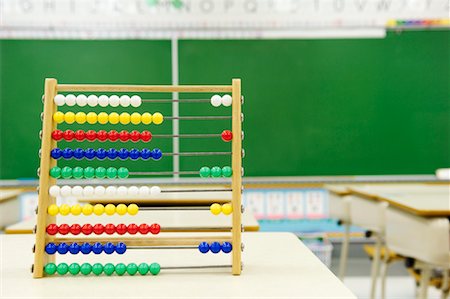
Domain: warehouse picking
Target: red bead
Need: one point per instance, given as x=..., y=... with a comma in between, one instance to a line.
x=144, y=228
x=113, y=135
x=110, y=228
x=102, y=135
x=75, y=229
x=69, y=135
x=121, y=229
x=227, y=135
x=99, y=229
x=64, y=229
x=87, y=229
x=133, y=228
x=52, y=229
x=79, y=135
x=135, y=136
x=155, y=228
x=91, y=135
x=57, y=135
x=146, y=136
x=124, y=136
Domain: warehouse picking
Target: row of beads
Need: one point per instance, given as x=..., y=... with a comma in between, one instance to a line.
x=103, y=118
x=215, y=172
x=102, y=153
x=100, y=191
x=102, y=135
x=89, y=172
x=87, y=229
x=93, y=100
x=217, y=100
x=98, y=269
x=88, y=209
x=215, y=247
x=85, y=248
x=216, y=208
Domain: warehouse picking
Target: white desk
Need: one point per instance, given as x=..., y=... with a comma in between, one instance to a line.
x=276, y=265
x=9, y=206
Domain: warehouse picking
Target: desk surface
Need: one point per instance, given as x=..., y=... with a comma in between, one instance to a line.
x=276, y=265
x=7, y=194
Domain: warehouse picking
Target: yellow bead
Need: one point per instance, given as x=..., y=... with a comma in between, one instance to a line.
x=91, y=118
x=64, y=209
x=124, y=118
x=80, y=117
x=69, y=117
x=215, y=208
x=227, y=208
x=133, y=209
x=135, y=118
x=87, y=209
x=103, y=118
x=113, y=118
x=53, y=210
x=99, y=209
x=158, y=118
x=121, y=209
x=75, y=210
x=58, y=117
x=146, y=118
x=110, y=209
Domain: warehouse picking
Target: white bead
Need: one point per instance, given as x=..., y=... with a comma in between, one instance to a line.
x=227, y=100
x=216, y=100
x=122, y=191
x=135, y=101
x=99, y=191
x=114, y=101
x=88, y=191
x=144, y=191
x=111, y=190
x=65, y=191
x=125, y=101
x=54, y=191
x=81, y=100
x=103, y=101
x=71, y=100
x=133, y=191
x=92, y=100
x=77, y=191
x=60, y=100
x=155, y=190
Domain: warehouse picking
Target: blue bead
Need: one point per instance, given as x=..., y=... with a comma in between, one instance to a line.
x=74, y=248
x=227, y=247
x=97, y=248
x=67, y=153
x=156, y=154
x=78, y=153
x=112, y=153
x=89, y=153
x=50, y=248
x=146, y=154
x=63, y=248
x=86, y=248
x=109, y=248
x=134, y=154
x=123, y=153
x=203, y=247
x=101, y=153
x=56, y=153
x=121, y=248
x=215, y=247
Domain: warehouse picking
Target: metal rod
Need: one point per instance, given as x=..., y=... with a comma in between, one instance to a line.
x=162, y=247
x=194, y=208
x=162, y=172
x=195, y=267
x=196, y=229
x=186, y=135
x=197, y=117
x=199, y=154
x=196, y=190
x=176, y=101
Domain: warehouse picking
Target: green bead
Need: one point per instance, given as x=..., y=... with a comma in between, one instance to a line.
x=155, y=268
x=89, y=172
x=227, y=171
x=122, y=172
x=132, y=268
x=86, y=269
x=62, y=268
x=77, y=172
x=111, y=172
x=66, y=172
x=216, y=172
x=108, y=269
x=121, y=269
x=97, y=268
x=205, y=172
x=74, y=268
x=100, y=172
x=143, y=269
x=50, y=268
x=55, y=172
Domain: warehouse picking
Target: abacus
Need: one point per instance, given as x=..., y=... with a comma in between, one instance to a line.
x=53, y=239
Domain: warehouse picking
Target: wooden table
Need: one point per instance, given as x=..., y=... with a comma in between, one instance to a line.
x=276, y=265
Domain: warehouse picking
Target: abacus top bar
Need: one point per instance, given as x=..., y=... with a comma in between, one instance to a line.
x=143, y=88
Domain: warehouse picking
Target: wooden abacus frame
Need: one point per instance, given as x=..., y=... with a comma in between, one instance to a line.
x=45, y=181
